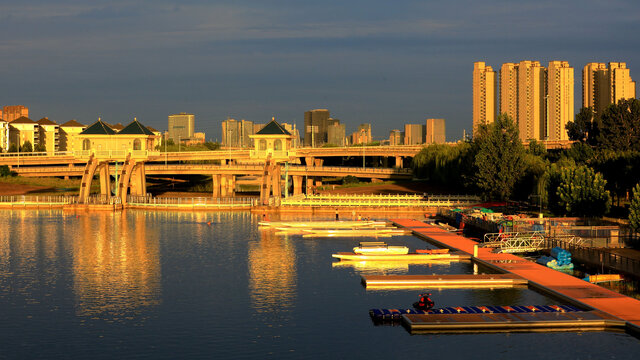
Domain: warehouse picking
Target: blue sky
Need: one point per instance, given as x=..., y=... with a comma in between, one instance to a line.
x=381, y=62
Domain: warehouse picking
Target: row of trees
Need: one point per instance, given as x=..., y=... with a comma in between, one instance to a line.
x=601, y=167
x=26, y=147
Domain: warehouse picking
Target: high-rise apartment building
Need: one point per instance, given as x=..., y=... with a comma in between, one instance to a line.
x=603, y=86
x=509, y=90
x=315, y=127
x=484, y=95
x=181, y=126
x=414, y=134
x=435, y=131
x=559, y=100
x=13, y=112
x=531, y=100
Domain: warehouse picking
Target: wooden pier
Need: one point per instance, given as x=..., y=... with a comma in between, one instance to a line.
x=442, y=281
x=606, y=302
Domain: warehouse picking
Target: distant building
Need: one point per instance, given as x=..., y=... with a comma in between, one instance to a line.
x=559, y=97
x=295, y=134
x=315, y=127
x=362, y=135
x=272, y=140
x=603, y=86
x=13, y=112
x=396, y=137
x=237, y=133
x=484, y=95
x=336, y=133
x=69, y=135
x=435, y=131
x=181, y=126
x=99, y=136
x=48, y=135
x=414, y=134
x=22, y=130
x=4, y=136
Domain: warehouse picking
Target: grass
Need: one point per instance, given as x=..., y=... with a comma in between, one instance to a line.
x=42, y=181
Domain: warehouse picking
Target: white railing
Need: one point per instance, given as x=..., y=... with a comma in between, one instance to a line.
x=198, y=202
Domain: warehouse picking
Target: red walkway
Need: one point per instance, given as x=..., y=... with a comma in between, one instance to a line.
x=556, y=282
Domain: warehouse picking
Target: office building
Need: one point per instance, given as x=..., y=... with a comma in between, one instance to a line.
x=435, y=131
x=603, y=86
x=414, y=134
x=12, y=112
x=336, y=133
x=181, y=126
x=559, y=100
x=484, y=95
x=396, y=137
x=315, y=127
x=236, y=133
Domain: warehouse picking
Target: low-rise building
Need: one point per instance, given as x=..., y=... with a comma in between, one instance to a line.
x=99, y=138
x=48, y=135
x=4, y=136
x=22, y=130
x=69, y=132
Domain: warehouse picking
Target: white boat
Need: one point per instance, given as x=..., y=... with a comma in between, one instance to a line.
x=379, y=248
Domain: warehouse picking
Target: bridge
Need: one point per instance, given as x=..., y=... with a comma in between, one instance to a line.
x=303, y=165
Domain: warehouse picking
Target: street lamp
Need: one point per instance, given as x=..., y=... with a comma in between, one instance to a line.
x=165, y=148
x=362, y=139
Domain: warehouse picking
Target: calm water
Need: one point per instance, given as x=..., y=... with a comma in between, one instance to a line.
x=165, y=285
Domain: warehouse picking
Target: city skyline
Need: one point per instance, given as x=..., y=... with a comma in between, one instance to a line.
x=384, y=63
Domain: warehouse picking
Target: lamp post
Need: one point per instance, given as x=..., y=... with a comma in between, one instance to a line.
x=362, y=139
x=165, y=149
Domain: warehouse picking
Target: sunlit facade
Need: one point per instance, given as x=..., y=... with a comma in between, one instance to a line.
x=484, y=95
x=560, y=97
x=605, y=85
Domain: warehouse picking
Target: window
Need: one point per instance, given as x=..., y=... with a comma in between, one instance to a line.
x=86, y=144
x=277, y=145
x=262, y=145
x=136, y=144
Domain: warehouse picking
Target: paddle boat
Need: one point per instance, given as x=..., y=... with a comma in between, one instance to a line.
x=379, y=248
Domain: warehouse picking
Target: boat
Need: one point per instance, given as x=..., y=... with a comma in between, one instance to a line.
x=600, y=278
x=322, y=224
x=353, y=232
x=380, y=248
x=432, y=251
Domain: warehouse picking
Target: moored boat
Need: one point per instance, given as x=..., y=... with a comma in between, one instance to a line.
x=379, y=248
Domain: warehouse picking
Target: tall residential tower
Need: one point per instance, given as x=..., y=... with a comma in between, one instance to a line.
x=484, y=95
x=603, y=86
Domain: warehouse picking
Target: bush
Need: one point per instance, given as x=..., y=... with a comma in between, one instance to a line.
x=5, y=171
x=350, y=179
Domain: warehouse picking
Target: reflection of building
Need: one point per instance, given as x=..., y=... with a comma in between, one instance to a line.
x=272, y=272
x=602, y=86
x=484, y=95
x=116, y=269
x=181, y=126
x=435, y=131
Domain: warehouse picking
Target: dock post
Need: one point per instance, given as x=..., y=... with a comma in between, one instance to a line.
x=475, y=250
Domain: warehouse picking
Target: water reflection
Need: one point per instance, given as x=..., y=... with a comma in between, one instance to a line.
x=272, y=272
x=116, y=266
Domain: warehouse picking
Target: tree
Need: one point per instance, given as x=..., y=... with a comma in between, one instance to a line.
x=13, y=148
x=39, y=148
x=5, y=171
x=499, y=158
x=634, y=210
x=619, y=126
x=212, y=145
x=537, y=148
x=444, y=164
x=583, y=128
x=551, y=182
x=26, y=147
x=582, y=192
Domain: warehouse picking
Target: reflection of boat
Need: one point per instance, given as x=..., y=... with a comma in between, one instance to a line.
x=379, y=247
x=600, y=278
x=400, y=257
x=374, y=267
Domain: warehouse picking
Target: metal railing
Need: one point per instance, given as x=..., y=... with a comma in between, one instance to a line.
x=38, y=200
x=515, y=242
x=197, y=202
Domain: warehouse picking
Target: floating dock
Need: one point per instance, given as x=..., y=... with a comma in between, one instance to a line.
x=412, y=257
x=608, y=305
x=442, y=281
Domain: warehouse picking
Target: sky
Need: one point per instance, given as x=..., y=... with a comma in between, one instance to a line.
x=368, y=61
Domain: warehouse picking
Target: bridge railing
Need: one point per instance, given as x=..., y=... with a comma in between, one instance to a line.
x=35, y=154
x=196, y=202
x=39, y=200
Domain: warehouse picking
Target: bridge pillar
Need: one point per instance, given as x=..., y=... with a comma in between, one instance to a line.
x=223, y=185
x=138, y=182
x=216, y=185
x=399, y=162
x=231, y=185
x=309, y=189
x=105, y=181
x=297, y=185
x=276, y=182
x=318, y=162
x=309, y=160
x=318, y=182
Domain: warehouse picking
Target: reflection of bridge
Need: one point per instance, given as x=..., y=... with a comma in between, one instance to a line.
x=131, y=167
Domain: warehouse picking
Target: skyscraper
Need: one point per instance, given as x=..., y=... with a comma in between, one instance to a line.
x=559, y=100
x=414, y=134
x=236, y=133
x=336, y=134
x=315, y=127
x=509, y=90
x=181, y=126
x=396, y=137
x=531, y=100
x=484, y=95
x=603, y=86
x=435, y=131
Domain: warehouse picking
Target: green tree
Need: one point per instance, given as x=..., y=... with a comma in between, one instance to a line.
x=26, y=147
x=551, y=182
x=5, y=171
x=442, y=164
x=499, y=158
x=619, y=126
x=537, y=148
x=13, y=148
x=582, y=192
x=583, y=128
x=212, y=145
x=39, y=148
x=634, y=209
